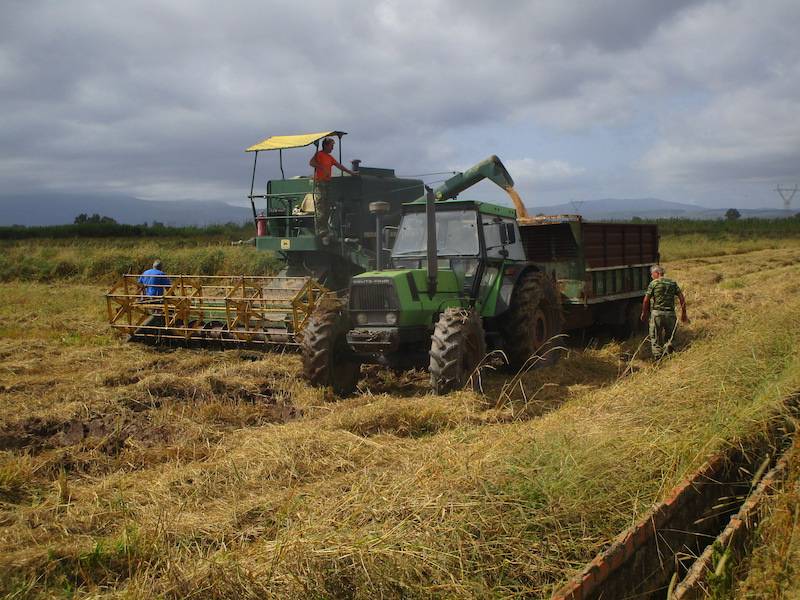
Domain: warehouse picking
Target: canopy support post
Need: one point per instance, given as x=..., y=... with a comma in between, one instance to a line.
x=252, y=186
x=280, y=159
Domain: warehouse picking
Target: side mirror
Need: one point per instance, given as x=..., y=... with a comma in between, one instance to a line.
x=389, y=236
x=507, y=234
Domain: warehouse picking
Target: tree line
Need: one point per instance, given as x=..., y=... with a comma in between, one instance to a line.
x=98, y=226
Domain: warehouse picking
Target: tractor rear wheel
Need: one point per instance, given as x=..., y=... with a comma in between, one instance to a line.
x=327, y=359
x=532, y=321
x=458, y=345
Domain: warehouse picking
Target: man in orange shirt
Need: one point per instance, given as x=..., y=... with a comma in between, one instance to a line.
x=323, y=162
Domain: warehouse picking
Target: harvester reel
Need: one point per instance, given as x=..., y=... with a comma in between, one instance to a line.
x=458, y=345
x=327, y=359
x=532, y=322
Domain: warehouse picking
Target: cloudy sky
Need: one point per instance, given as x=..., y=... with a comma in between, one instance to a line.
x=686, y=101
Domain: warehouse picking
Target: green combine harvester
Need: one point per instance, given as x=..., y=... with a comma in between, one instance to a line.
x=467, y=277
x=272, y=310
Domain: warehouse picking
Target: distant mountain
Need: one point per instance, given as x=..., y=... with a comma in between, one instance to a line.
x=59, y=209
x=651, y=208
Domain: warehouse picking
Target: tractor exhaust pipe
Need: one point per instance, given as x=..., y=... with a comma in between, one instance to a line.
x=378, y=209
x=430, y=222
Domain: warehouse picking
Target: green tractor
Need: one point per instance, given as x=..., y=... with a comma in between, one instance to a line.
x=459, y=283
x=467, y=277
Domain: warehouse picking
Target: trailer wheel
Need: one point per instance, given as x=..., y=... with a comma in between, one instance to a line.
x=458, y=345
x=327, y=359
x=632, y=325
x=532, y=321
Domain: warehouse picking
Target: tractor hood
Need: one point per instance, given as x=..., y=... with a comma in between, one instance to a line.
x=404, y=292
x=447, y=280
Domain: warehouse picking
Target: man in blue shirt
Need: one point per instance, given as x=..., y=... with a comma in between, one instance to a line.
x=154, y=280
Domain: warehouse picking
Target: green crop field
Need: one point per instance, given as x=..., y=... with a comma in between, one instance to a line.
x=100, y=253
x=129, y=471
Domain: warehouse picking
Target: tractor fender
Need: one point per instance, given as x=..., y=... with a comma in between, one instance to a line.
x=510, y=278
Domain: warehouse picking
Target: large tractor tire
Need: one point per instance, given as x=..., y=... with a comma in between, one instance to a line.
x=327, y=359
x=458, y=345
x=532, y=322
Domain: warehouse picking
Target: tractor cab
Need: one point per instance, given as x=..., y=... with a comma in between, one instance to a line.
x=472, y=239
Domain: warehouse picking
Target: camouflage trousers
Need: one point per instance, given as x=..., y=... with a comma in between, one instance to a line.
x=322, y=208
x=663, y=324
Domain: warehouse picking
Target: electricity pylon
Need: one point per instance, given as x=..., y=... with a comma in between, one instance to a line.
x=787, y=194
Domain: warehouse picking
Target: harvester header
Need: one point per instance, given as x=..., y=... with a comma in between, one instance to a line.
x=230, y=310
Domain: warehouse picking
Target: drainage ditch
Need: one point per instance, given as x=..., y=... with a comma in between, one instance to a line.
x=671, y=550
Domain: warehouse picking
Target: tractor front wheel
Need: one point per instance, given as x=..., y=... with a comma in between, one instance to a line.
x=458, y=345
x=327, y=359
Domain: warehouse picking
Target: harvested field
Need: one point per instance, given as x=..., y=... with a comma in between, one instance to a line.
x=129, y=471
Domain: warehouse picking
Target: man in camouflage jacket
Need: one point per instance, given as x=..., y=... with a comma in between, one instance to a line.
x=659, y=301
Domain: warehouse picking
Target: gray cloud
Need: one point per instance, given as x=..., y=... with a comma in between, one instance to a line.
x=745, y=130
x=160, y=99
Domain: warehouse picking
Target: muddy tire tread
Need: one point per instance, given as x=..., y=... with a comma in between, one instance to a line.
x=327, y=362
x=457, y=331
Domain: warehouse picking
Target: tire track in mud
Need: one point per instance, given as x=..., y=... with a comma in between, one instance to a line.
x=145, y=420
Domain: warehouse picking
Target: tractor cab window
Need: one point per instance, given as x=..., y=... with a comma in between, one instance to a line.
x=456, y=234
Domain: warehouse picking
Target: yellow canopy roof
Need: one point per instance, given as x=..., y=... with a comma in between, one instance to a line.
x=282, y=142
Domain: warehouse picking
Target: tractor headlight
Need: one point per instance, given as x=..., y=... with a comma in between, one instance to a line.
x=361, y=318
x=391, y=318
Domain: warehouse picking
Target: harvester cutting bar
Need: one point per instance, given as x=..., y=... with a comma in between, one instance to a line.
x=229, y=309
